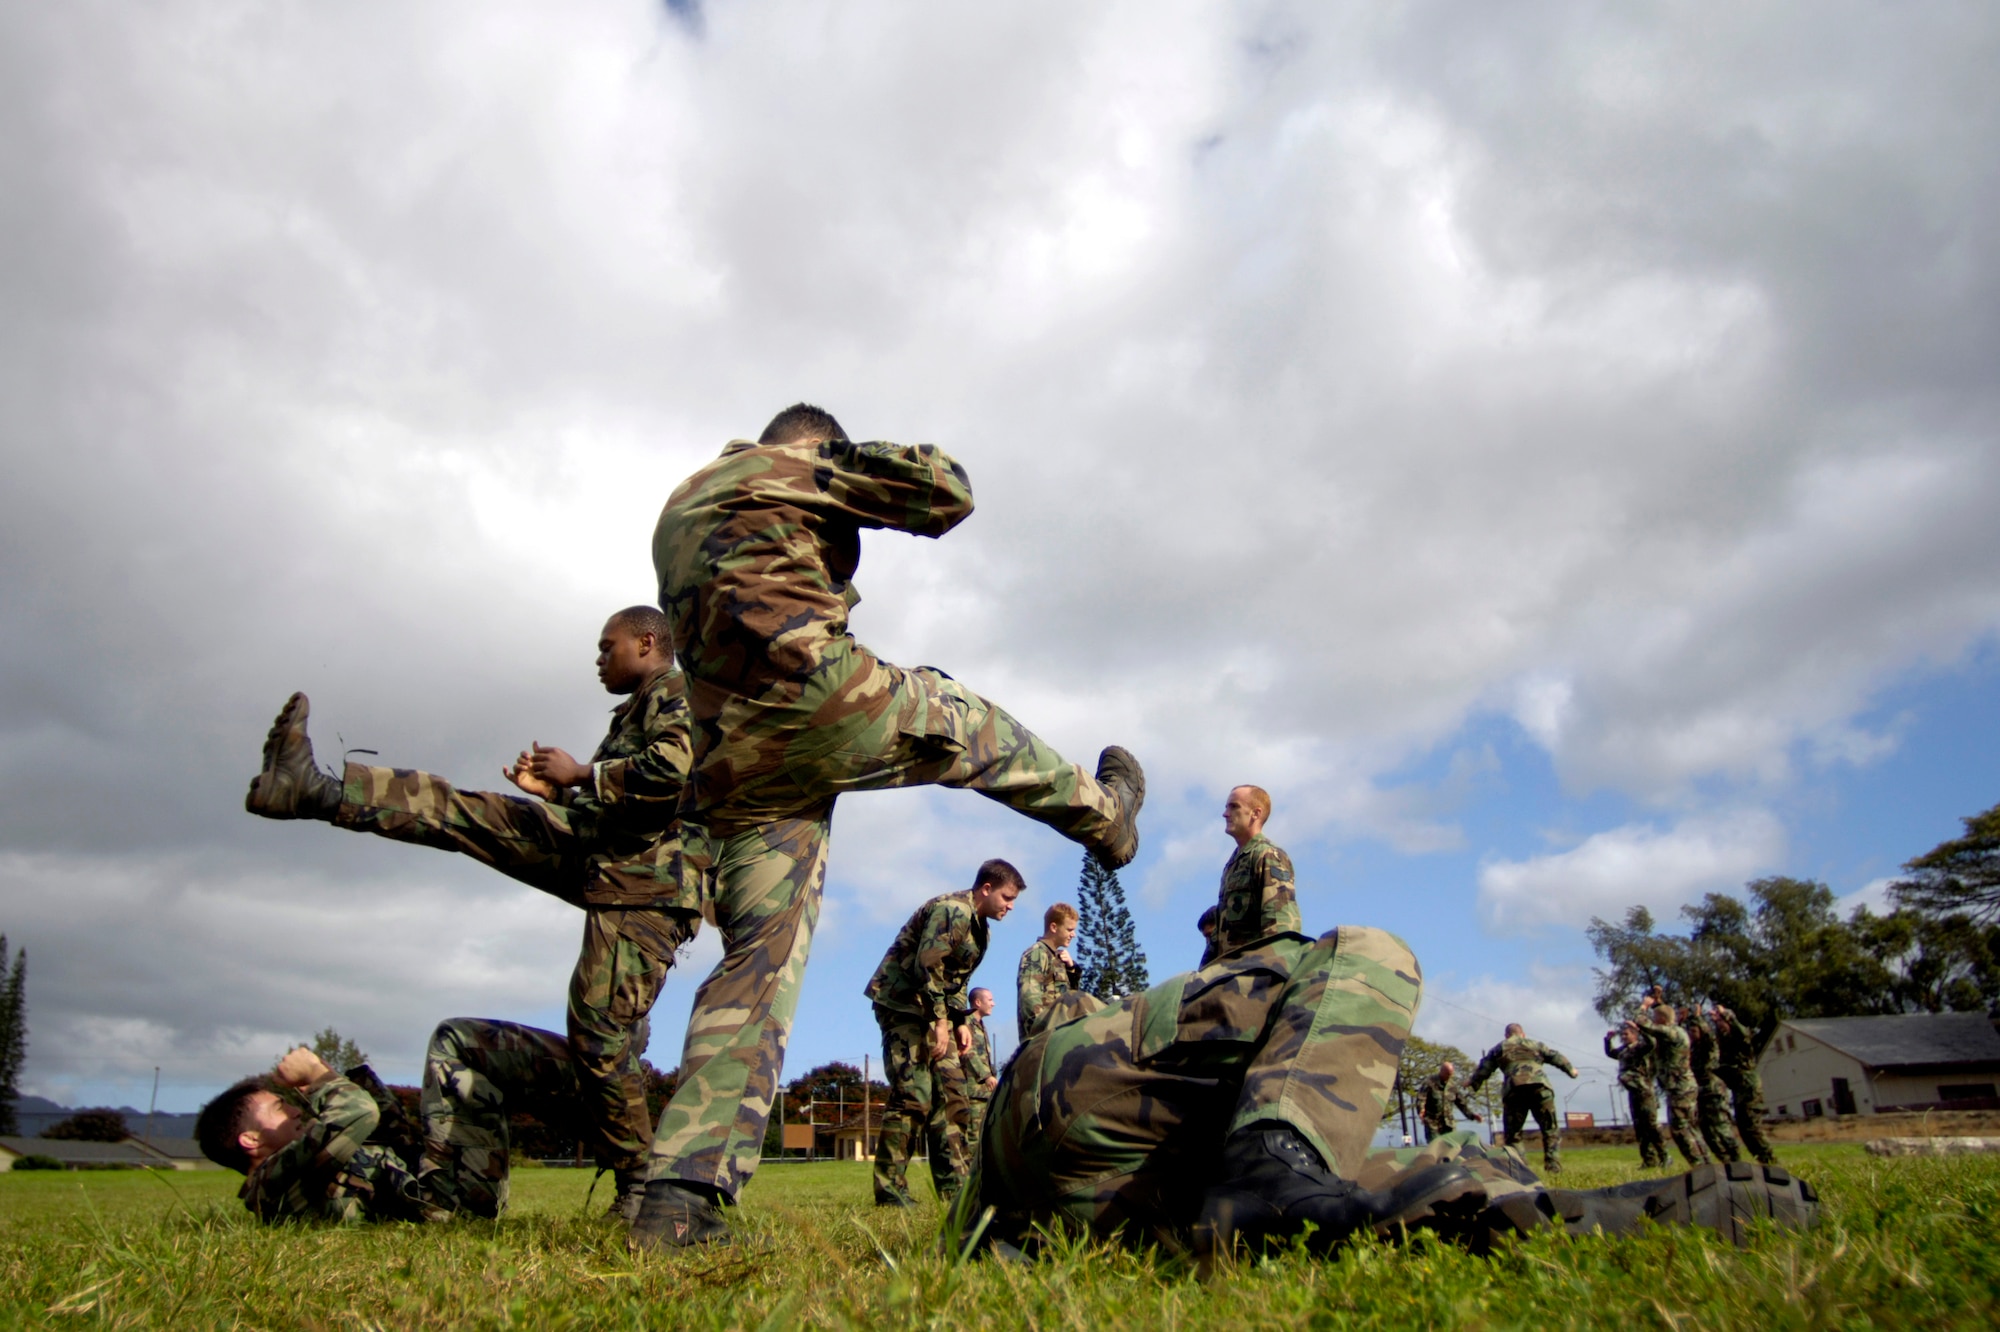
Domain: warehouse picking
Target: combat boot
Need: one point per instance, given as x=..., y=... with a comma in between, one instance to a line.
x=1274, y=1185
x=1728, y=1199
x=1119, y=773
x=631, y=1192
x=674, y=1216
x=291, y=786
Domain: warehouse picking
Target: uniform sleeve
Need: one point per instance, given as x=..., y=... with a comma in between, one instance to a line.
x=1485, y=1069
x=655, y=775
x=291, y=1182
x=1033, y=993
x=939, y=995
x=1614, y=1043
x=1277, y=896
x=915, y=488
x=979, y=1063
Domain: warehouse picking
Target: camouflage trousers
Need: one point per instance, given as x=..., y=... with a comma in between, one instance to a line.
x=1712, y=1111
x=625, y=953
x=1683, y=1122
x=1434, y=1127
x=1500, y=1169
x=758, y=846
x=1645, y=1108
x=1112, y=1122
x=1516, y=1104
x=476, y=1073
x=1746, y=1091
x=928, y=1099
x=975, y=1123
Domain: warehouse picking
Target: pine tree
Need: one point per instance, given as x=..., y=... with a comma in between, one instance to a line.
x=1106, y=948
x=13, y=1031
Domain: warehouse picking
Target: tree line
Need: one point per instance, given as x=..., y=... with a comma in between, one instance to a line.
x=1782, y=951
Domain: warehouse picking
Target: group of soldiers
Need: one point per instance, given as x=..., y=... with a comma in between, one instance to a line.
x=1230, y=1105
x=1704, y=1065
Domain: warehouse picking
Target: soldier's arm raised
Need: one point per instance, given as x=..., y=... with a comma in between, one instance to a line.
x=915, y=488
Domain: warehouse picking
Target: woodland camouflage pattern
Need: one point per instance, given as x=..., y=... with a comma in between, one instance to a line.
x=596, y=847
x=756, y=554
x=1674, y=1074
x=979, y=1066
x=927, y=1098
x=331, y=1172
x=1111, y=1121
x=1040, y=981
x=1635, y=1075
x=1736, y=1065
x=1711, y=1097
x=930, y=960
x=1437, y=1099
x=1257, y=898
x=1525, y=1091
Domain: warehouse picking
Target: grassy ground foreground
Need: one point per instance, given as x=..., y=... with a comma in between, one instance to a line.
x=1906, y=1242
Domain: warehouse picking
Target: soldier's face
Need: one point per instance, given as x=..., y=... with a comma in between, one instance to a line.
x=621, y=658
x=273, y=1123
x=982, y=1003
x=995, y=900
x=1239, y=816
x=1063, y=931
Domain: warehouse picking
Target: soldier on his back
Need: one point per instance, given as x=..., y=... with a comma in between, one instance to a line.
x=1525, y=1090
x=1711, y=1096
x=1257, y=897
x=1634, y=1053
x=1736, y=1065
x=921, y=1005
x=981, y=1073
x=1673, y=1072
x=1046, y=971
x=585, y=824
x=1438, y=1098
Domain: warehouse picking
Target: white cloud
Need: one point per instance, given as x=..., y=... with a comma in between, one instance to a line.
x=1637, y=864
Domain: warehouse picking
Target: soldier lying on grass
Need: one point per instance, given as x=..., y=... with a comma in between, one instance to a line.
x=319, y=1145
x=1234, y=1106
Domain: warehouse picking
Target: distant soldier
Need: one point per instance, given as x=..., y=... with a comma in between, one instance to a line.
x=1634, y=1053
x=921, y=1005
x=319, y=1145
x=1205, y=926
x=1525, y=1090
x=980, y=1070
x=1437, y=1099
x=585, y=826
x=1257, y=897
x=1711, y=1096
x=1736, y=1065
x=1674, y=1074
x=1046, y=971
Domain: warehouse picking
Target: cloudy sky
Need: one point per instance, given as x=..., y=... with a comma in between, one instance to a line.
x=1549, y=454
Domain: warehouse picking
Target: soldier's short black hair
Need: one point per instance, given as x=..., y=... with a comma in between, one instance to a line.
x=800, y=421
x=1206, y=924
x=997, y=871
x=652, y=620
x=221, y=1122
x=976, y=991
x=1514, y=1029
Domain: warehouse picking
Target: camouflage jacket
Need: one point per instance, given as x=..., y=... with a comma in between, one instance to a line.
x=1257, y=898
x=756, y=554
x=1635, y=1060
x=1438, y=1099
x=1520, y=1060
x=331, y=1172
x=1703, y=1052
x=1672, y=1067
x=1037, y=985
x=1735, y=1052
x=979, y=1061
x=934, y=955
x=637, y=773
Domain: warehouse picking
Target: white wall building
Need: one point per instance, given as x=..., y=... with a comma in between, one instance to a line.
x=1869, y=1065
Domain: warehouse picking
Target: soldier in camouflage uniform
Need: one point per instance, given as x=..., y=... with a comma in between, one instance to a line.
x=1046, y=971
x=920, y=1004
x=1673, y=1072
x=1711, y=1097
x=1257, y=897
x=1634, y=1053
x=981, y=1073
x=1736, y=1065
x=756, y=555
x=573, y=840
x=1525, y=1090
x=1437, y=1099
x=316, y=1145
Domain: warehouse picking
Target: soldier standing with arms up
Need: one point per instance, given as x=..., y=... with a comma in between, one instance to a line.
x=1711, y=1097
x=756, y=554
x=1525, y=1090
x=1257, y=897
x=1736, y=1065
x=1634, y=1053
x=981, y=1073
x=1047, y=970
x=1673, y=1072
x=1437, y=1099
x=920, y=1004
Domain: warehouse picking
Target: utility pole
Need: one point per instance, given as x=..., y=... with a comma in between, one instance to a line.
x=867, y=1103
x=153, y=1104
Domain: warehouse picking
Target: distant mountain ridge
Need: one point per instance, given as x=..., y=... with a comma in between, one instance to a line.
x=35, y=1113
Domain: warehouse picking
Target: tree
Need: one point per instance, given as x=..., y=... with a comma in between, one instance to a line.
x=1107, y=951
x=95, y=1125
x=13, y=1032
x=336, y=1051
x=1959, y=877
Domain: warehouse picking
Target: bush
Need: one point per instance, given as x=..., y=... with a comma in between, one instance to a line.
x=37, y=1161
x=95, y=1125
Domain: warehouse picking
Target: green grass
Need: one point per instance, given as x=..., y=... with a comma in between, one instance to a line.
x=1905, y=1243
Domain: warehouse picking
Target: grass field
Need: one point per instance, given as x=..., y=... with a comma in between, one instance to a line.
x=1906, y=1243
